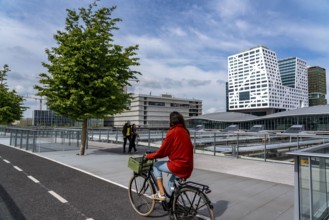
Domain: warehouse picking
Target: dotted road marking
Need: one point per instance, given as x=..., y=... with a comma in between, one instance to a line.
x=33, y=179
x=61, y=199
x=54, y=194
x=17, y=168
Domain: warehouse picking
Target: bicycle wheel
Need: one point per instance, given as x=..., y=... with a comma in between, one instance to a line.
x=190, y=203
x=140, y=191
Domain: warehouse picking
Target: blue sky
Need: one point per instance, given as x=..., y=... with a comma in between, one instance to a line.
x=183, y=45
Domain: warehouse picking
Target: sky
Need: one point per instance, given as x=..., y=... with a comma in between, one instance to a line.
x=183, y=44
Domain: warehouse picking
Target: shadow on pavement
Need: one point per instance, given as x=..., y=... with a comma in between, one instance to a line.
x=8, y=208
x=219, y=207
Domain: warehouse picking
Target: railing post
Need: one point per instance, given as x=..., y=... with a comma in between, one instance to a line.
x=108, y=136
x=116, y=136
x=15, y=143
x=27, y=139
x=214, y=143
x=194, y=141
x=11, y=138
x=78, y=138
x=296, y=189
x=311, y=187
x=34, y=141
x=87, y=139
x=237, y=146
x=149, y=139
x=69, y=134
x=265, y=147
x=21, y=139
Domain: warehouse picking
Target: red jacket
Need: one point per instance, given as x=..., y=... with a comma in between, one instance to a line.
x=178, y=147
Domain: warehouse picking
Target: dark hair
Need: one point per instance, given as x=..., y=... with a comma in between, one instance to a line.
x=176, y=118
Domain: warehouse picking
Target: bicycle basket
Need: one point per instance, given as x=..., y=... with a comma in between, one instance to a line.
x=139, y=164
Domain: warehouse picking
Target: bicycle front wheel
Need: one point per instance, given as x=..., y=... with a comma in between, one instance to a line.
x=140, y=191
x=190, y=203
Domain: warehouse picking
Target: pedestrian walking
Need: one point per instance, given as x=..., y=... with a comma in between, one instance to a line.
x=134, y=136
x=126, y=132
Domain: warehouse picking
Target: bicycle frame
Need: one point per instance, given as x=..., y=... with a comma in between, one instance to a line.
x=180, y=192
x=166, y=205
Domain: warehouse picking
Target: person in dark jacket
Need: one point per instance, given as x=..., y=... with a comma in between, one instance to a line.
x=177, y=146
x=126, y=132
x=133, y=136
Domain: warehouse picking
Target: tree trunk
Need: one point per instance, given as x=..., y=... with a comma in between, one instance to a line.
x=83, y=136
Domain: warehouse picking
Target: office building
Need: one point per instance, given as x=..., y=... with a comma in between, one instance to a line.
x=293, y=73
x=148, y=111
x=255, y=85
x=317, y=86
x=49, y=118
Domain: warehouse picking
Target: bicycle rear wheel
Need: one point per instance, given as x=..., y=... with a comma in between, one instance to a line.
x=140, y=191
x=190, y=203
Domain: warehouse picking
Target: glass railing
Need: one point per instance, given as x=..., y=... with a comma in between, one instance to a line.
x=312, y=182
x=263, y=145
x=44, y=140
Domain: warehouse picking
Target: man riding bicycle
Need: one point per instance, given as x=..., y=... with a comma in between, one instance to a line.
x=177, y=146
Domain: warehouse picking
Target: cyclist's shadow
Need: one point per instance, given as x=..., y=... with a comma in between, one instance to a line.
x=219, y=207
x=158, y=211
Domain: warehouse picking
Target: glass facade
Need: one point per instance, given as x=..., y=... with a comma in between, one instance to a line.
x=312, y=185
x=50, y=119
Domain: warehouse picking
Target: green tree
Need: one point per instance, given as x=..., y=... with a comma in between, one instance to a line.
x=87, y=72
x=11, y=104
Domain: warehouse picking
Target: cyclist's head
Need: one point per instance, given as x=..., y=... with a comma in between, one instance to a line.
x=176, y=118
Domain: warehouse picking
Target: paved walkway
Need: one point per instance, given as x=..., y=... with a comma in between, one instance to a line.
x=241, y=189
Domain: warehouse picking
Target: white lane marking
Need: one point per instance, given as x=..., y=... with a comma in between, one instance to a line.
x=17, y=168
x=33, y=179
x=7, y=161
x=61, y=199
x=89, y=219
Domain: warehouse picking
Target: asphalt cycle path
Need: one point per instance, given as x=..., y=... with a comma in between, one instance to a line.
x=32, y=187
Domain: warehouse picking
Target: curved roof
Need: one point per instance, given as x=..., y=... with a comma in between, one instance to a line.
x=240, y=117
x=226, y=117
x=313, y=110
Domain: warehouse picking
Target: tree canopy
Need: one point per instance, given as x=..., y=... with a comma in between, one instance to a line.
x=11, y=104
x=87, y=72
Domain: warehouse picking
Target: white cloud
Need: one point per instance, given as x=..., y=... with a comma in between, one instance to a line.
x=229, y=9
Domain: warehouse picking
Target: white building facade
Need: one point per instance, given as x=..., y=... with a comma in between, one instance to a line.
x=148, y=111
x=255, y=84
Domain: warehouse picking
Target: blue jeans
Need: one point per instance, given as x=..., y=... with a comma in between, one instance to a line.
x=161, y=166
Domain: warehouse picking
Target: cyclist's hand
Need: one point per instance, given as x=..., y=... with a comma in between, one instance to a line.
x=149, y=156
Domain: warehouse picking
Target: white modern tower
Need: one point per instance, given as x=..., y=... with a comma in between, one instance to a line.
x=255, y=85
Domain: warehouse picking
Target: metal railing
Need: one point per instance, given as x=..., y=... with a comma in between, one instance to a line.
x=265, y=146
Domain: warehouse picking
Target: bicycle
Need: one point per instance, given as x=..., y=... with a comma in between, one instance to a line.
x=188, y=199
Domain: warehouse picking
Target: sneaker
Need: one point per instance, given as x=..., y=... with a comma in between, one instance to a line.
x=159, y=197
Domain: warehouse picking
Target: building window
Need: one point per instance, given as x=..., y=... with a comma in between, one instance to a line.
x=244, y=96
x=157, y=103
